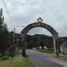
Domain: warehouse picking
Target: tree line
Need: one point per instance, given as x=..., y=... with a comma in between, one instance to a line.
x=6, y=37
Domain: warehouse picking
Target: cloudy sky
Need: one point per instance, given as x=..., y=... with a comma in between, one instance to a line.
x=23, y=12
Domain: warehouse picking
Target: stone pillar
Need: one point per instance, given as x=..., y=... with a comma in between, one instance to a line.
x=56, y=46
x=24, y=44
x=64, y=48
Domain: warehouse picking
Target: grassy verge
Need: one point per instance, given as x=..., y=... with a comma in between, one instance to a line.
x=25, y=63
x=17, y=61
x=64, y=57
x=49, y=52
x=46, y=51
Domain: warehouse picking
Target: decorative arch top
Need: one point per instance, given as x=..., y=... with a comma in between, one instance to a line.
x=39, y=19
x=40, y=23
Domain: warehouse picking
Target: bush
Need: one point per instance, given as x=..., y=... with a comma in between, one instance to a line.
x=4, y=57
x=12, y=50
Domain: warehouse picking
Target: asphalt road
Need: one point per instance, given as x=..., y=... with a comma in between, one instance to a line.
x=41, y=60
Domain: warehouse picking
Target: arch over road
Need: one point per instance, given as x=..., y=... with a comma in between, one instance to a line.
x=40, y=23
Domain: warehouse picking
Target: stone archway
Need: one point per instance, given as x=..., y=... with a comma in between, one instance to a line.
x=40, y=23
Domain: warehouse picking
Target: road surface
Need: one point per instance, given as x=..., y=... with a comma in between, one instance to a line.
x=41, y=60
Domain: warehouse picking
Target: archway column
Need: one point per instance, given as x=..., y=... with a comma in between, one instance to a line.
x=56, y=44
x=24, y=45
x=57, y=47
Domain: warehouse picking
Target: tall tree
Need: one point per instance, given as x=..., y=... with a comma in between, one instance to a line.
x=4, y=35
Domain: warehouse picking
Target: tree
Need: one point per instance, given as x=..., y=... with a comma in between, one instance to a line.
x=4, y=35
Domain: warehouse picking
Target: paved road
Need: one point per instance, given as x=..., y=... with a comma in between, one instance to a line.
x=41, y=60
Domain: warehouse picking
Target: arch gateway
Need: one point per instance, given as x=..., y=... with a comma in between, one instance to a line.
x=40, y=23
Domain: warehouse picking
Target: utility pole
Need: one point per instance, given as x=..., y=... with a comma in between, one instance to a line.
x=14, y=36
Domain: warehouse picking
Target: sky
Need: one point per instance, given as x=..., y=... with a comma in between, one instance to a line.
x=20, y=13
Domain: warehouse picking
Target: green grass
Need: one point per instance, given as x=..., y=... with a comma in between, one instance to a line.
x=50, y=52
x=16, y=61
x=25, y=63
x=65, y=57
x=46, y=51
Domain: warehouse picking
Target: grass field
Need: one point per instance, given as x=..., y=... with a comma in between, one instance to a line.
x=46, y=51
x=49, y=52
x=16, y=61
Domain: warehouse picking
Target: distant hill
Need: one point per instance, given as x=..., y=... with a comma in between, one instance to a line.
x=34, y=39
x=40, y=39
